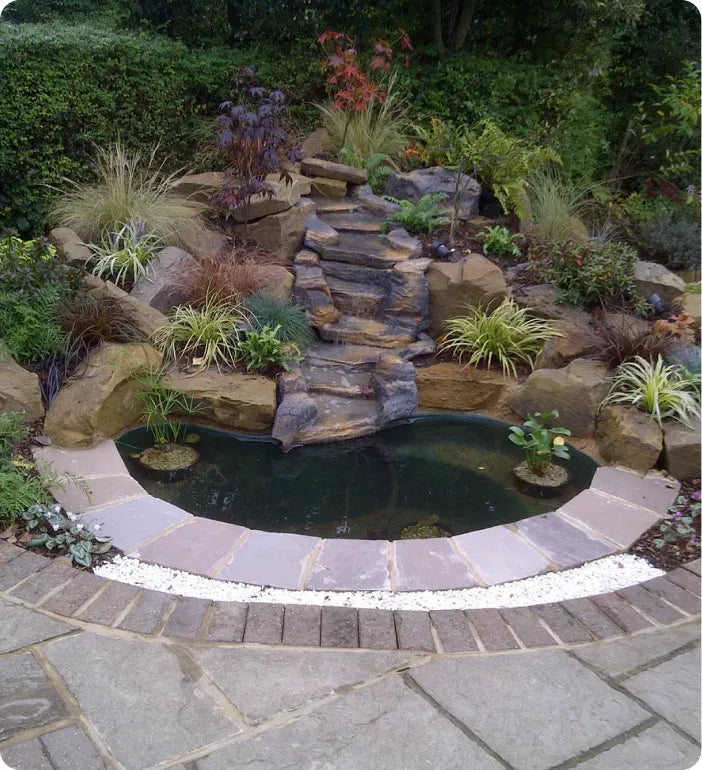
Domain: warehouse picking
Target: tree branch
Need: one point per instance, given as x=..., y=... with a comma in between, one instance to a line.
x=460, y=32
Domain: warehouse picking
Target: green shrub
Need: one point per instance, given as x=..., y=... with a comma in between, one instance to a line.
x=589, y=274
x=264, y=349
x=675, y=244
x=290, y=319
x=27, y=267
x=498, y=240
x=31, y=332
x=655, y=388
x=507, y=335
x=423, y=216
x=12, y=430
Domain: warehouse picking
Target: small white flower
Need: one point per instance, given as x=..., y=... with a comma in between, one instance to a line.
x=54, y=527
x=71, y=516
x=97, y=527
x=56, y=508
x=79, y=527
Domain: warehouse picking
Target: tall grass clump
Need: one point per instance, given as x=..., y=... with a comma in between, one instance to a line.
x=506, y=334
x=382, y=129
x=288, y=318
x=558, y=208
x=658, y=389
x=131, y=187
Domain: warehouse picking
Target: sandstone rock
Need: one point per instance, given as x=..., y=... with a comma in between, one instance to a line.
x=307, y=206
x=328, y=188
x=395, y=387
x=576, y=392
x=316, y=167
x=401, y=240
x=146, y=318
x=295, y=412
x=162, y=287
x=318, y=234
x=200, y=187
x=70, y=245
x=681, y=456
x=306, y=257
x=238, y=401
x=652, y=278
x=101, y=402
x=210, y=243
x=291, y=382
x=541, y=302
x=460, y=388
x=282, y=233
x=575, y=342
x=19, y=389
x=472, y=281
x=312, y=291
x=285, y=195
x=692, y=305
x=627, y=437
x=409, y=289
x=374, y=203
x=425, y=181
x=315, y=143
x=277, y=282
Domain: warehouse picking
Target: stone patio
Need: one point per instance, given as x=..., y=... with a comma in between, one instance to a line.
x=605, y=519
x=98, y=674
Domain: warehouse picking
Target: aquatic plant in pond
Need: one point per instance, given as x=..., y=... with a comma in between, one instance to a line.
x=539, y=442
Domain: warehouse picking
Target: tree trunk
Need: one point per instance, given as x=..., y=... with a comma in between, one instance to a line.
x=460, y=32
x=436, y=36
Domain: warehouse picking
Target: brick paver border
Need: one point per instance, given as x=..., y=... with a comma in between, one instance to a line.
x=605, y=519
x=51, y=587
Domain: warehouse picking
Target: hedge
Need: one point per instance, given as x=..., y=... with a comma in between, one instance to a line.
x=64, y=89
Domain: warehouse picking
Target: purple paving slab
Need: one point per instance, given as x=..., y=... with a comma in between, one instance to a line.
x=563, y=543
x=430, y=564
x=499, y=555
x=612, y=518
x=134, y=522
x=270, y=558
x=100, y=460
x=351, y=565
x=103, y=491
x=198, y=546
x=653, y=492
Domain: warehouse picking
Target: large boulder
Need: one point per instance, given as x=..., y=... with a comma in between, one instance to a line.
x=239, y=401
x=681, y=456
x=163, y=286
x=541, y=301
x=146, y=318
x=575, y=341
x=19, y=389
x=409, y=290
x=316, y=167
x=452, y=386
x=395, y=387
x=576, y=392
x=319, y=234
x=652, y=278
x=374, y=203
x=316, y=143
x=328, y=188
x=413, y=185
x=75, y=252
x=454, y=286
x=282, y=233
x=627, y=437
x=312, y=290
x=691, y=304
x=296, y=411
x=101, y=401
x=277, y=282
x=200, y=187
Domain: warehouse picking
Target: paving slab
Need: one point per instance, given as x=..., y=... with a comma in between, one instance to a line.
x=694, y=566
x=72, y=596
x=302, y=625
x=29, y=755
x=149, y=705
x=351, y=565
x=198, y=546
x=261, y=683
x=672, y=689
x=20, y=627
x=385, y=725
x=454, y=631
x=430, y=564
x=270, y=558
x=620, y=656
x=616, y=520
x=656, y=493
x=498, y=555
x=566, y=627
x=27, y=697
x=655, y=748
x=685, y=579
x=527, y=627
x=185, y=620
x=38, y=585
x=67, y=749
x=674, y=594
x=376, y=629
x=137, y=521
x=492, y=629
x=264, y=623
x=650, y=604
x=414, y=630
x=103, y=459
x=601, y=626
x=228, y=622
x=535, y=710
x=101, y=491
x=110, y=604
x=8, y=551
x=339, y=627
x=563, y=543
x=147, y=612
x=27, y=563
x=621, y=612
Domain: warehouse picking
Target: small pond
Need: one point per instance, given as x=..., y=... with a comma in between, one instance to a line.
x=456, y=467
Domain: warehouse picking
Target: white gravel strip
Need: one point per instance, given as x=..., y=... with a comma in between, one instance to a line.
x=597, y=577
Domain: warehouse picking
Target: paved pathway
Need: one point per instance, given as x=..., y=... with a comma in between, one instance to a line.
x=142, y=684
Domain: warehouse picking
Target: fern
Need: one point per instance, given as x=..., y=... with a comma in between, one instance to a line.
x=423, y=216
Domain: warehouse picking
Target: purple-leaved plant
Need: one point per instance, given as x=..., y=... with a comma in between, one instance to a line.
x=253, y=138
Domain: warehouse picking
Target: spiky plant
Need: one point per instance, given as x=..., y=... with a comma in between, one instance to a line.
x=289, y=318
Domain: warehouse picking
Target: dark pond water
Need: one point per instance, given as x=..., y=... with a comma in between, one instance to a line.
x=456, y=467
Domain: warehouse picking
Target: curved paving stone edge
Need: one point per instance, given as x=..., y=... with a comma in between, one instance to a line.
x=53, y=587
x=602, y=520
